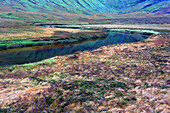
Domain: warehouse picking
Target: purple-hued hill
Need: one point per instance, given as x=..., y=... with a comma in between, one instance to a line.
x=49, y=10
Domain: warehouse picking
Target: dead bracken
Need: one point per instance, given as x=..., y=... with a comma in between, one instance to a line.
x=115, y=78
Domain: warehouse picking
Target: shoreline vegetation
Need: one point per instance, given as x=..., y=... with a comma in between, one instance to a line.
x=65, y=34
x=114, y=78
x=59, y=37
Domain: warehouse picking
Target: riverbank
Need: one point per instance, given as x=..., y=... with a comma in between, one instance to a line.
x=65, y=34
x=19, y=34
x=39, y=53
x=58, y=36
x=116, y=78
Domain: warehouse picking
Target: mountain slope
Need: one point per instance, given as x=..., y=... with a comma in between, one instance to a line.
x=59, y=9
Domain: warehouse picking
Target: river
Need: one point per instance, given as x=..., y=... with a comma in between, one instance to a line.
x=35, y=54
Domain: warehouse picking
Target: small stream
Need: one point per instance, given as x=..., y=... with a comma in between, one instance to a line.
x=34, y=54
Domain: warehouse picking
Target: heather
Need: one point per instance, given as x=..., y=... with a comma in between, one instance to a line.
x=115, y=78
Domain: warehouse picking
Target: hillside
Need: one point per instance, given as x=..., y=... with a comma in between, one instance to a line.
x=83, y=56
x=51, y=10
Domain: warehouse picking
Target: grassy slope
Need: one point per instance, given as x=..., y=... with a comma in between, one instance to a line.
x=117, y=78
x=111, y=78
x=85, y=10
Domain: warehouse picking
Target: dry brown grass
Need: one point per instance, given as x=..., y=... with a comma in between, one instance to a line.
x=43, y=32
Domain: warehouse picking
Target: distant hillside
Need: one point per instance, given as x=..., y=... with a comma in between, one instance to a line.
x=50, y=10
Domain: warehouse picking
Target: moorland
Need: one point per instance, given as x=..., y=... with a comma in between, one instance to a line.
x=128, y=77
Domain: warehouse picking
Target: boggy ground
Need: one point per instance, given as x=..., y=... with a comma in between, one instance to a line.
x=116, y=78
x=17, y=34
x=50, y=36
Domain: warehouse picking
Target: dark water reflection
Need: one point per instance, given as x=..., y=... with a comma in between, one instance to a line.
x=34, y=54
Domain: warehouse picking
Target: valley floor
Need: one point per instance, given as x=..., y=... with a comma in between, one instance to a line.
x=159, y=27
x=128, y=78
x=20, y=35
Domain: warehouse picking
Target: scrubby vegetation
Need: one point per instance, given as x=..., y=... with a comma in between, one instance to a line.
x=121, y=78
x=115, y=78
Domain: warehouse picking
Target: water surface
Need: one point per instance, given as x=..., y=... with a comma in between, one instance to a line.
x=34, y=54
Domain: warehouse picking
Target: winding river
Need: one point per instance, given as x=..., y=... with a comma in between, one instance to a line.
x=34, y=54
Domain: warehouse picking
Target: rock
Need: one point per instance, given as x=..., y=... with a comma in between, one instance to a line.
x=138, y=82
x=26, y=80
x=45, y=84
x=120, y=89
x=108, y=97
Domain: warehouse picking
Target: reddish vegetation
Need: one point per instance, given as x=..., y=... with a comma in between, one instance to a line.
x=115, y=78
x=65, y=34
x=161, y=41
